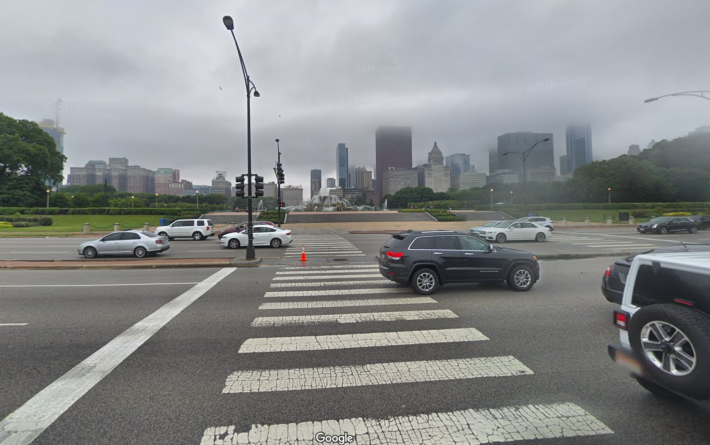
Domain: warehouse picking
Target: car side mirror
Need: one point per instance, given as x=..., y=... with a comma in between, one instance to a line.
x=491, y=248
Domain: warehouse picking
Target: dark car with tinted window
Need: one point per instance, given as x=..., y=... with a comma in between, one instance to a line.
x=614, y=279
x=428, y=259
x=667, y=224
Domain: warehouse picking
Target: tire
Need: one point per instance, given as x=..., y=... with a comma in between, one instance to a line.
x=164, y=234
x=657, y=390
x=676, y=330
x=275, y=243
x=540, y=237
x=521, y=278
x=693, y=229
x=425, y=282
x=90, y=253
x=197, y=236
x=233, y=243
x=662, y=230
x=501, y=238
x=140, y=252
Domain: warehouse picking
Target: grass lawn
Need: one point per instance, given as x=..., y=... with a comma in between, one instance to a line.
x=597, y=216
x=99, y=223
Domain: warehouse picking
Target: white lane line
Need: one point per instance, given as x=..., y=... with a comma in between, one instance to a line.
x=300, y=379
x=299, y=251
x=347, y=303
x=360, y=317
x=638, y=238
x=351, y=341
x=324, y=248
x=341, y=254
x=331, y=292
x=471, y=426
x=96, y=285
x=327, y=267
x=336, y=283
x=606, y=244
x=307, y=271
x=13, y=324
x=329, y=277
x=38, y=413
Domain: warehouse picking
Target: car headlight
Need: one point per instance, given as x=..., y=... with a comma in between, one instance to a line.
x=654, y=226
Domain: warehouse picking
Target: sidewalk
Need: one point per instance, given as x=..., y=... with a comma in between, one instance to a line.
x=118, y=264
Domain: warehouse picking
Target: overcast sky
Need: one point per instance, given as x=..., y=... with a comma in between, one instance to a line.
x=159, y=82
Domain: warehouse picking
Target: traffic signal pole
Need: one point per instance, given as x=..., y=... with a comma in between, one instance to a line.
x=278, y=189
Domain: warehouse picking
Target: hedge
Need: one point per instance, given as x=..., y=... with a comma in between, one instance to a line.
x=412, y=210
x=33, y=220
x=25, y=224
x=91, y=211
x=444, y=215
x=272, y=215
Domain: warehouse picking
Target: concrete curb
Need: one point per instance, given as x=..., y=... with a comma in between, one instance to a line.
x=582, y=256
x=245, y=263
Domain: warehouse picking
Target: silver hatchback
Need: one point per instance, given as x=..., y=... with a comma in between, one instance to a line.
x=138, y=243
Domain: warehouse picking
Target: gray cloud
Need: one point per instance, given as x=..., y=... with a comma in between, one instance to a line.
x=143, y=80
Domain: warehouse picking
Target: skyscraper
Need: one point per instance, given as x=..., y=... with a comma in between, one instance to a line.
x=393, y=149
x=579, y=146
x=459, y=163
x=341, y=165
x=634, y=150
x=57, y=133
x=316, y=183
x=330, y=182
x=492, y=161
x=542, y=156
x=564, y=164
x=221, y=186
x=435, y=174
x=363, y=178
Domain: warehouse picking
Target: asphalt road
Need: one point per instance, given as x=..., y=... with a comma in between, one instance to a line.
x=563, y=241
x=544, y=350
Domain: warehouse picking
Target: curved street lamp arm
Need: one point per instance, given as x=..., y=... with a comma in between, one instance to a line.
x=241, y=61
x=697, y=93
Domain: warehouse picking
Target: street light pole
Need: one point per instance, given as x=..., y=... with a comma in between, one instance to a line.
x=491, y=200
x=278, y=182
x=229, y=24
x=48, y=198
x=524, y=156
x=197, y=194
x=511, y=197
x=156, y=200
x=609, y=193
x=132, y=200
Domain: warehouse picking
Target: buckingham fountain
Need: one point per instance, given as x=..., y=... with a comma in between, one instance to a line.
x=325, y=202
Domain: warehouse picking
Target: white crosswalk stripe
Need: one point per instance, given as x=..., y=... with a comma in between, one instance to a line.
x=347, y=303
x=351, y=341
x=380, y=282
x=303, y=271
x=335, y=269
x=471, y=426
x=334, y=292
x=330, y=277
x=360, y=317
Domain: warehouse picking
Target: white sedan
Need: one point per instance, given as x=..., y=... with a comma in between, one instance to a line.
x=516, y=231
x=264, y=235
x=476, y=231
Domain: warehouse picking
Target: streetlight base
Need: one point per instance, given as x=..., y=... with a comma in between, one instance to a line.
x=251, y=252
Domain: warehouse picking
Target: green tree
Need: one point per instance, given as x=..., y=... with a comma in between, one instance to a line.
x=81, y=200
x=100, y=200
x=59, y=200
x=91, y=189
x=28, y=160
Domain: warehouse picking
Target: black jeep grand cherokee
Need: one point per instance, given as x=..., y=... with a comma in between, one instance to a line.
x=427, y=260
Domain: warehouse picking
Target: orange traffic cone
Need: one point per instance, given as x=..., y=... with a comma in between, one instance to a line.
x=303, y=254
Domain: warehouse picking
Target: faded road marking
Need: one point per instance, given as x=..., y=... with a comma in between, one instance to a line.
x=347, y=303
x=360, y=317
x=325, y=293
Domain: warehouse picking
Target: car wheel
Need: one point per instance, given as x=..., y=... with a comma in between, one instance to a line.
x=657, y=390
x=275, y=243
x=693, y=230
x=164, y=234
x=673, y=345
x=197, y=236
x=425, y=282
x=140, y=252
x=233, y=243
x=90, y=252
x=540, y=237
x=501, y=238
x=520, y=278
x=662, y=230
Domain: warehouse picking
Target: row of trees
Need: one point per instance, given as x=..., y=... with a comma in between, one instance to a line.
x=78, y=198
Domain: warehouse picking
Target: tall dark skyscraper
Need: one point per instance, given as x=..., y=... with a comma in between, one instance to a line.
x=460, y=163
x=541, y=156
x=393, y=149
x=579, y=146
x=492, y=161
x=316, y=183
x=341, y=166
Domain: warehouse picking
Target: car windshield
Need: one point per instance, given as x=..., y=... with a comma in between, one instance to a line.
x=660, y=219
x=504, y=224
x=149, y=234
x=490, y=224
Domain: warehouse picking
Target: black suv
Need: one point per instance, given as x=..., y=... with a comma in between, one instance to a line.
x=665, y=224
x=427, y=260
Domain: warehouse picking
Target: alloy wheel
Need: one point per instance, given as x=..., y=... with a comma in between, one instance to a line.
x=668, y=348
x=522, y=278
x=426, y=281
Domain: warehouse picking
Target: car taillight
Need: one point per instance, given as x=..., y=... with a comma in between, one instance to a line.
x=395, y=255
x=607, y=273
x=621, y=320
x=207, y=228
x=288, y=233
x=159, y=241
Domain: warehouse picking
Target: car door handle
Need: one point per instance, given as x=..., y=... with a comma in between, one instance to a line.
x=468, y=254
x=438, y=253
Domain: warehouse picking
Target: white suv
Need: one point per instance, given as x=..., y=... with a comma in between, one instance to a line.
x=539, y=220
x=664, y=323
x=197, y=229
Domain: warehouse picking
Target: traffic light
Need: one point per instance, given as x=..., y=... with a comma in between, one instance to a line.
x=282, y=204
x=258, y=185
x=280, y=173
x=239, y=186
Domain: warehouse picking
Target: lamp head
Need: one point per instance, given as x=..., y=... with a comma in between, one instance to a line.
x=546, y=139
x=228, y=22
x=653, y=99
x=256, y=93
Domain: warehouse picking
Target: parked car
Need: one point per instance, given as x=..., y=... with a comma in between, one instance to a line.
x=197, y=229
x=240, y=228
x=264, y=235
x=429, y=259
x=666, y=224
x=664, y=323
x=476, y=231
x=516, y=231
x=614, y=279
x=138, y=243
x=703, y=221
x=539, y=220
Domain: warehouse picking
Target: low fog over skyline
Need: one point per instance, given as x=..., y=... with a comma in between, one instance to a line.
x=160, y=83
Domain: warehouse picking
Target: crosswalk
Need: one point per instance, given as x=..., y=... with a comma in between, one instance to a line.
x=600, y=242
x=359, y=298
x=322, y=246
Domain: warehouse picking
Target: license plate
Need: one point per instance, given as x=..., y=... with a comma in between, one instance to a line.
x=629, y=363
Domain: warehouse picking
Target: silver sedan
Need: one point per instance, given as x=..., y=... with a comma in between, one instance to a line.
x=138, y=243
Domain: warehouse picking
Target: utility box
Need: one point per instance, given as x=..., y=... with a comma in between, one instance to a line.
x=623, y=216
